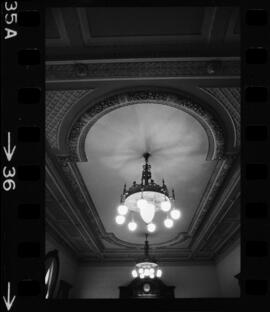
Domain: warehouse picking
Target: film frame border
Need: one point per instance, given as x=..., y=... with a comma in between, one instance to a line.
x=23, y=256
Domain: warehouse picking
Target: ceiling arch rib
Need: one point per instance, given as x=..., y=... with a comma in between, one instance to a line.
x=83, y=123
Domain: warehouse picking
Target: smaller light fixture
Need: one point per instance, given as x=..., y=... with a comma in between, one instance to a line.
x=122, y=210
x=168, y=223
x=147, y=266
x=132, y=226
x=175, y=214
x=120, y=220
x=151, y=227
x=165, y=205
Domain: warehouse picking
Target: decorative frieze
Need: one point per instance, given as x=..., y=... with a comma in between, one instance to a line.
x=230, y=99
x=58, y=104
x=80, y=128
x=142, y=69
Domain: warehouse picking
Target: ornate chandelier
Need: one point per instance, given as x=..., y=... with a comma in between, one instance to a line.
x=146, y=199
x=146, y=267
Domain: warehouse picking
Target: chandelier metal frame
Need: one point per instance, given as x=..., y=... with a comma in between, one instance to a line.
x=146, y=198
x=146, y=267
x=147, y=183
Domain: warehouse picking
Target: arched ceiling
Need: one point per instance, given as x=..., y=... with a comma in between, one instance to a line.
x=114, y=146
x=86, y=63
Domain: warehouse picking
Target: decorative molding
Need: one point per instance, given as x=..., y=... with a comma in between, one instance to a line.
x=72, y=210
x=166, y=252
x=230, y=35
x=204, y=33
x=98, y=230
x=196, y=68
x=230, y=99
x=63, y=40
x=82, y=125
x=210, y=193
x=58, y=104
x=73, y=175
x=88, y=217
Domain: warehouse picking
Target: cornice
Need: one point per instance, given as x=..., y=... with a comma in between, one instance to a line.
x=223, y=204
x=55, y=186
x=143, y=69
x=213, y=186
x=53, y=232
x=229, y=99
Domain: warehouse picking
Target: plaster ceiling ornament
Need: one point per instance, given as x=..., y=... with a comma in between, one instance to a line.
x=82, y=125
x=147, y=266
x=146, y=199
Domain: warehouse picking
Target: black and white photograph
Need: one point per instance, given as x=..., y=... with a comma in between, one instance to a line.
x=142, y=153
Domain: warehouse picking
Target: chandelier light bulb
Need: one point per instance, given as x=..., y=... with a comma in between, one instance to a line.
x=141, y=275
x=152, y=276
x=168, y=223
x=134, y=273
x=120, y=220
x=142, y=203
x=140, y=271
x=175, y=214
x=146, y=272
x=122, y=210
x=148, y=212
x=151, y=227
x=159, y=273
x=152, y=271
x=132, y=226
x=165, y=205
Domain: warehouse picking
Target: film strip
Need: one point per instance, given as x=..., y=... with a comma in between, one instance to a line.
x=23, y=167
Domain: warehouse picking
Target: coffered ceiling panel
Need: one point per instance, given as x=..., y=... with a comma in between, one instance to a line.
x=164, y=21
x=55, y=31
x=123, y=32
x=51, y=29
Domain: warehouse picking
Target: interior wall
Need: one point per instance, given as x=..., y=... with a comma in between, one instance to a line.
x=67, y=264
x=227, y=267
x=189, y=281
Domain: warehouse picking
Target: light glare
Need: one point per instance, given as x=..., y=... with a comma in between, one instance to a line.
x=175, y=214
x=132, y=226
x=120, y=220
x=159, y=273
x=165, y=205
x=134, y=273
x=142, y=203
x=122, y=210
x=168, y=223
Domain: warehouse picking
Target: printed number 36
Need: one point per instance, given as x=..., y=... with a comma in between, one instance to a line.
x=9, y=184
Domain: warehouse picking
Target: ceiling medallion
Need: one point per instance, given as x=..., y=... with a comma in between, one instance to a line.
x=147, y=266
x=146, y=199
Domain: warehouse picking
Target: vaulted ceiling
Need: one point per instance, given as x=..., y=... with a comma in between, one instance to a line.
x=121, y=81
